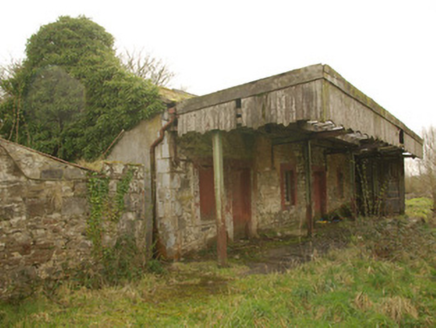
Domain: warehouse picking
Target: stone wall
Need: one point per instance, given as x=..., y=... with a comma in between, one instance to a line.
x=44, y=213
x=179, y=159
x=269, y=159
x=181, y=227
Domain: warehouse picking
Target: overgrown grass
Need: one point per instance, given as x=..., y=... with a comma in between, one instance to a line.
x=419, y=208
x=386, y=277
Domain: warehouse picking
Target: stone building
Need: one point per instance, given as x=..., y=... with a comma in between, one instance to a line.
x=278, y=152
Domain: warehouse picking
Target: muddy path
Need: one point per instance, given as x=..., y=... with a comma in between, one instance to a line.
x=282, y=253
x=278, y=252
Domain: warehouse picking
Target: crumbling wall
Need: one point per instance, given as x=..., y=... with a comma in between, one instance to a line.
x=269, y=160
x=180, y=225
x=44, y=214
x=178, y=161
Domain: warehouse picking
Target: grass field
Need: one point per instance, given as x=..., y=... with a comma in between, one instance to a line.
x=385, y=277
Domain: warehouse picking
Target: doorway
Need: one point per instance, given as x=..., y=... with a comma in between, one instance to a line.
x=319, y=192
x=241, y=202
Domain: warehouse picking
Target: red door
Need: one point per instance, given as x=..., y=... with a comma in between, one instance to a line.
x=241, y=201
x=319, y=192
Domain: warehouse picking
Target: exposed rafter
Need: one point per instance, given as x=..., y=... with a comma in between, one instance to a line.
x=361, y=142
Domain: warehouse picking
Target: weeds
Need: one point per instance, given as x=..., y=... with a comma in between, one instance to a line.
x=420, y=208
x=386, y=277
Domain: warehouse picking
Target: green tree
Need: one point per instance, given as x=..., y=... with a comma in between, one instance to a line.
x=54, y=102
x=71, y=96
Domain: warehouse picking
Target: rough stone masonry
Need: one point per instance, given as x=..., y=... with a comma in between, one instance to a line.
x=44, y=210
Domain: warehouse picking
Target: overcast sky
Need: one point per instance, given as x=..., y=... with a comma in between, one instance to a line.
x=385, y=48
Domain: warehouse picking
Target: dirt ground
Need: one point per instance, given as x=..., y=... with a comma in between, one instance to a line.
x=275, y=252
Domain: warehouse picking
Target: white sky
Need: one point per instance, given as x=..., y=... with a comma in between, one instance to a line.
x=385, y=48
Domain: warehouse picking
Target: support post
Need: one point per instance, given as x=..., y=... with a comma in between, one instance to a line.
x=308, y=174
x=218, y=171
x=402, y=186
x=353, y=184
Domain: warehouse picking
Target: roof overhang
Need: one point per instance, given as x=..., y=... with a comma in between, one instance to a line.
x=316, y=95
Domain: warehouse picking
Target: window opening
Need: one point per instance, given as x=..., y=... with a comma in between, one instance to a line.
x=288, y=186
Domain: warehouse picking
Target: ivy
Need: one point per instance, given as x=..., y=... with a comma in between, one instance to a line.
x=122, y=189
x=104, y=206
x=98, y=193
x=123, y=261
x=71, y=96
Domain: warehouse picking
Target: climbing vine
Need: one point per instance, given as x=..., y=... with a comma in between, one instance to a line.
x=123, y=260
x=103, y=206
x=98, y=193
x=122, y=189
x=371, y=199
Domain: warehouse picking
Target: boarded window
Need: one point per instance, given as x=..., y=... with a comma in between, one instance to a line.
x=288, y=183
x=207, y=193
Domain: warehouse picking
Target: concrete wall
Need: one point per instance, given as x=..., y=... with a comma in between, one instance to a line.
x=134, y=147
x=44, y=211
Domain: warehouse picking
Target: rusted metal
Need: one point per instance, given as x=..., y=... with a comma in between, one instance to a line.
x=155, y=236
x=220, y=198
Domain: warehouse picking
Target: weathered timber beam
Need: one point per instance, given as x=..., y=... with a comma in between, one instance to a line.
x=328, y=134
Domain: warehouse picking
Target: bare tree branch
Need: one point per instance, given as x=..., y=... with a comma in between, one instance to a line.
x=147, y=67
x=428, y=163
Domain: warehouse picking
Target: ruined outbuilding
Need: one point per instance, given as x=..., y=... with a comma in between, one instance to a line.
x=278, y=152
x=47, y=228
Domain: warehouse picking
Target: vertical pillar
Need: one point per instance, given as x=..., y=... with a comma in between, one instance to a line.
x=353, y=199
x=308, y=174
x=218, y=171
x=401, y=183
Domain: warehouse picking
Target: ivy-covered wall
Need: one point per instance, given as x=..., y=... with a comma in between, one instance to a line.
x=55, y=216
